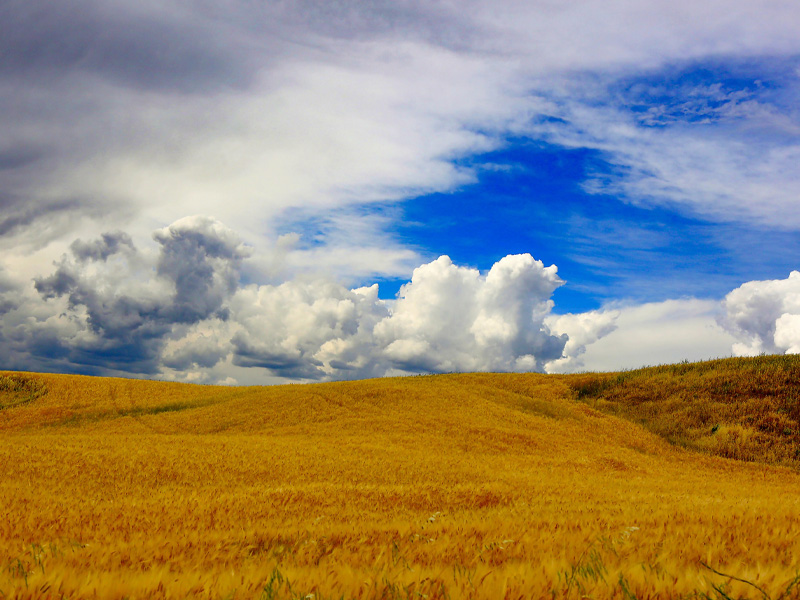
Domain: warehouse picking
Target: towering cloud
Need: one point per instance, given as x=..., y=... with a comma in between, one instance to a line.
x=202, y=258
x=451, y=318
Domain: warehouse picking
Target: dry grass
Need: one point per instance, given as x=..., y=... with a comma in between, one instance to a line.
x=455, y=486
x=743, y=408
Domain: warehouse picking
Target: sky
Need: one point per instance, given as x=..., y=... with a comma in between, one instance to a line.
x=257, y=193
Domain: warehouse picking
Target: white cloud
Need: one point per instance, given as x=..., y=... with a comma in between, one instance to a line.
x=787, y=333
x=721, y=159
x=659, y=333
x=582, y=330
x=447, y=318
x=763, y=315
x=450, y=318
x=307, y=329
x=358, y=122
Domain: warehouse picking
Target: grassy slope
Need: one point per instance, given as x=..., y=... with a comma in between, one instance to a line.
x=480, y=485
x=742, y=408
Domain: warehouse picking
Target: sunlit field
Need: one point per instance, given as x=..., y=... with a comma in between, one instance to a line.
x=450, y=486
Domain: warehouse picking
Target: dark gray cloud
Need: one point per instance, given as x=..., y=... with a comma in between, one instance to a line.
x=15, y=157
x=203, y=260
x=127, y=332
x=107, y=245
x=288, y=364
x=140, y=45
x=198, y=264
x=19, y=214
x=60, y=283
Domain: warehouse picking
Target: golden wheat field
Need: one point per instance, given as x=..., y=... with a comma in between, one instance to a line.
x=451, y=486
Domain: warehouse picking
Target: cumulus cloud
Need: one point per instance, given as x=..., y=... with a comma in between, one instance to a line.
x=184, y=313
x=450, y=318
x=447, y=318
x=202, y=258
x=764, y=316
x=787, y=333
x=582, y=330
x=196, y=348
x=308, y=329
x=122, y=311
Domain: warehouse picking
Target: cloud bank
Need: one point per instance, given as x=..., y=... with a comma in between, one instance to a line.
x=181, y=309
x=184, y=313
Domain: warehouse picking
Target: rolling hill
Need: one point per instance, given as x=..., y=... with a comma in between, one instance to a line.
x=613, y=485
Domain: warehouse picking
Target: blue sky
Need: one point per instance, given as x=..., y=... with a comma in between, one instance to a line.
x=209, y=193
x=615, y=249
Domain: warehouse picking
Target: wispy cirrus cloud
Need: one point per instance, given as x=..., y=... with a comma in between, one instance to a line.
x=721, y=149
